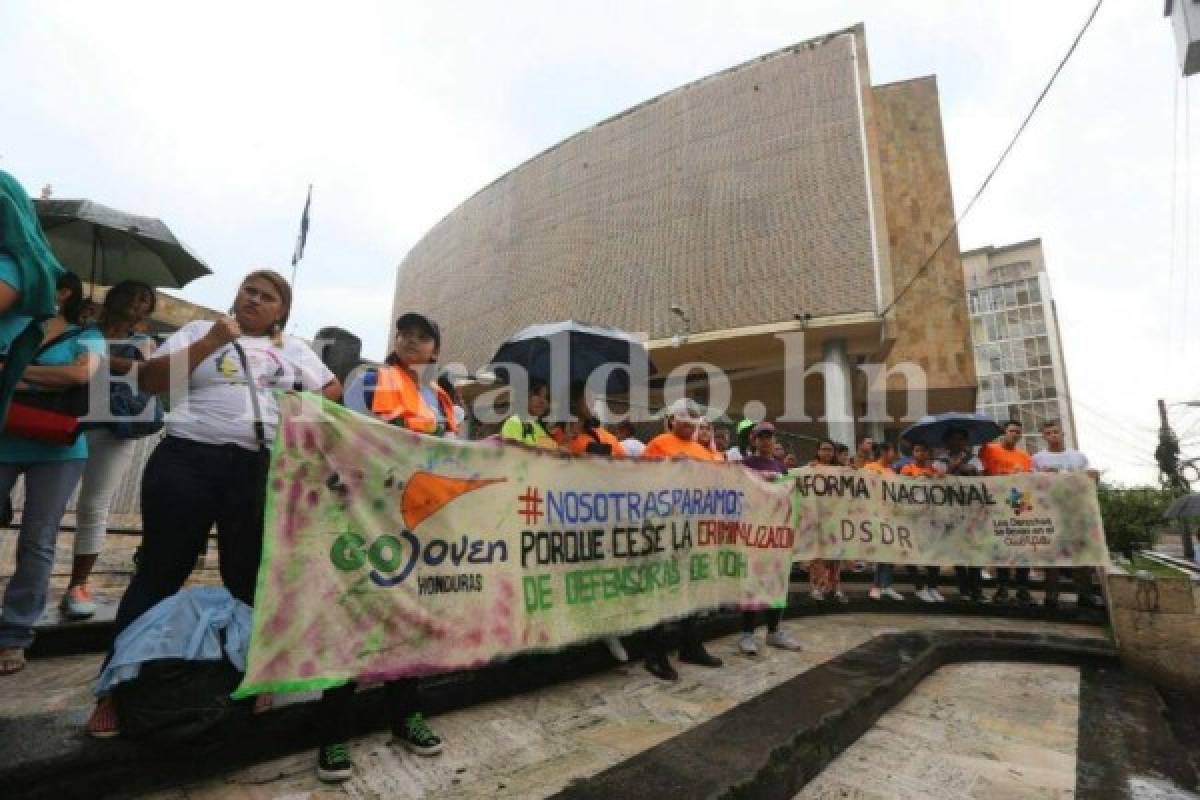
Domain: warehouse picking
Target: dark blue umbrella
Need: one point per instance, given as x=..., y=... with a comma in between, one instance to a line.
x=587, y=348
x=931, y=430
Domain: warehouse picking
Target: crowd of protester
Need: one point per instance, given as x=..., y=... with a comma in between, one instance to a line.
x=209, y=469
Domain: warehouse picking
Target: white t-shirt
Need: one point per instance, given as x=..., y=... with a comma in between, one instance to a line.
x=217, y=409
x=1064, y=461
x=733, y=454
x=633, y=447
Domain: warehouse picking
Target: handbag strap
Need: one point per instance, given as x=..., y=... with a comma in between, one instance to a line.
x=65, y=336
x=260, y=430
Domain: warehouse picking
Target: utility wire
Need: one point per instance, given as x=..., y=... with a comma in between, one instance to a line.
x=1174, y=217
x=954, y=228
x=1187, y=214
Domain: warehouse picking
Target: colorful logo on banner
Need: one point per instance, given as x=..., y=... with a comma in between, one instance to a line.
x=1019, y=502
x=392, y=557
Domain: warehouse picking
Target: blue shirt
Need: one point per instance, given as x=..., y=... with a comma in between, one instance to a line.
x=11, y=325
x=186, y=625
x=17, y=450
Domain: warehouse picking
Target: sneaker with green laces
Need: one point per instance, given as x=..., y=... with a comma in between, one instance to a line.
x=415, y=734
x=334, y=764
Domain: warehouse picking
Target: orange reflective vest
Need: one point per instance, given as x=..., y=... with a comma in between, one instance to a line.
x=398, y=398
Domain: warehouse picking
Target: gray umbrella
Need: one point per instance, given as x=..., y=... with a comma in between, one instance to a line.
x=1186, y=506
x=106, y=246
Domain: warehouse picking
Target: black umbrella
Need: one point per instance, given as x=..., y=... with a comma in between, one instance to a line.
x=587, y=348
x=1186, y=506
x=105, y=246
x=931, y=430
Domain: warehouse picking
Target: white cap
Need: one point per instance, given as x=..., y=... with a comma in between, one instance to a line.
x=683, y=407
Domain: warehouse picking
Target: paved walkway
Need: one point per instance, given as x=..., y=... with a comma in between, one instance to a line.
x=535, y=744
x=991, y=731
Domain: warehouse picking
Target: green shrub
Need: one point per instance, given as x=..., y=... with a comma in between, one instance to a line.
x=1132, y=517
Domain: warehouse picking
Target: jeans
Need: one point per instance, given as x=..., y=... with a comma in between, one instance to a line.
x=883, y=575
x=48, y=487
x=108, y=461
x=335, y=711
x=187, y=488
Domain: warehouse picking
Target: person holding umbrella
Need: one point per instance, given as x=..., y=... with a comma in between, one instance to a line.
x=956, y=432
x=29, y=274
x=956, y=459
x=111, y=443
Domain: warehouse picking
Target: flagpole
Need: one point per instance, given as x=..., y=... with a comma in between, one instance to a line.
x=301, y=239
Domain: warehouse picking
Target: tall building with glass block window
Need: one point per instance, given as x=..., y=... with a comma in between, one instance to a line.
x=1014, y=332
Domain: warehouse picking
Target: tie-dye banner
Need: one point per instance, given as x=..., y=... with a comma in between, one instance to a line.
x=1039, y=520
x=389, y=554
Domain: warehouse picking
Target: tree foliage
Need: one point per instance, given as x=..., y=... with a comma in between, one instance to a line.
x=1133, y=518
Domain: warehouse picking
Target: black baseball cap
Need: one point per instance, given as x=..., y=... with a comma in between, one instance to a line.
x=412, y=319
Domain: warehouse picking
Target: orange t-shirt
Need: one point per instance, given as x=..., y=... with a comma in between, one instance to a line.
x=997, y=460
x=877, y=468
x=578, y=445
x=914, y=470
x=668, y=445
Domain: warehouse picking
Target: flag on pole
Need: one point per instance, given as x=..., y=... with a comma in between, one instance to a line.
x=303, y=237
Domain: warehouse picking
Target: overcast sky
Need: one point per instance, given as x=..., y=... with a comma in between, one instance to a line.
x=217, y=116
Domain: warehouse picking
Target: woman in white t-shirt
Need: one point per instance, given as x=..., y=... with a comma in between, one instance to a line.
x=211, y=467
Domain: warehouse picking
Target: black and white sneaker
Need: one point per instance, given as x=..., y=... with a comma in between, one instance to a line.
x=415, y=734
x=334, y=764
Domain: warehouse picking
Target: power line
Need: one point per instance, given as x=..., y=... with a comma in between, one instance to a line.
x=1174, y=215
x=1125, y=426
x=1187, y=214
x=1003, y=155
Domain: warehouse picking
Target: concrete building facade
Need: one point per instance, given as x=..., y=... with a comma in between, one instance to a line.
x=784, y=197
x=1017, y=342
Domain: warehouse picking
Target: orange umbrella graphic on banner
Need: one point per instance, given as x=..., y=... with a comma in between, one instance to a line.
x=425, y=494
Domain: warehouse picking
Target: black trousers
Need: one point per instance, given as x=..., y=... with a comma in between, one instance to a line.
x=970, y=581
x=925, y=580
x=1004, y=577
x=187, y=488
x=750, y=619
x=1081, y=577
x=335, y=715
x=659, y=641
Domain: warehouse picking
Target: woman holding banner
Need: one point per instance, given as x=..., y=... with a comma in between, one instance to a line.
x=211, y=468
x=404, y=394
x=824, y=575
x=764, y=462
x=678, y=442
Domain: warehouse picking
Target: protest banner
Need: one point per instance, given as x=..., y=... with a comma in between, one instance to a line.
x=1037, y=519
x=389, y=554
